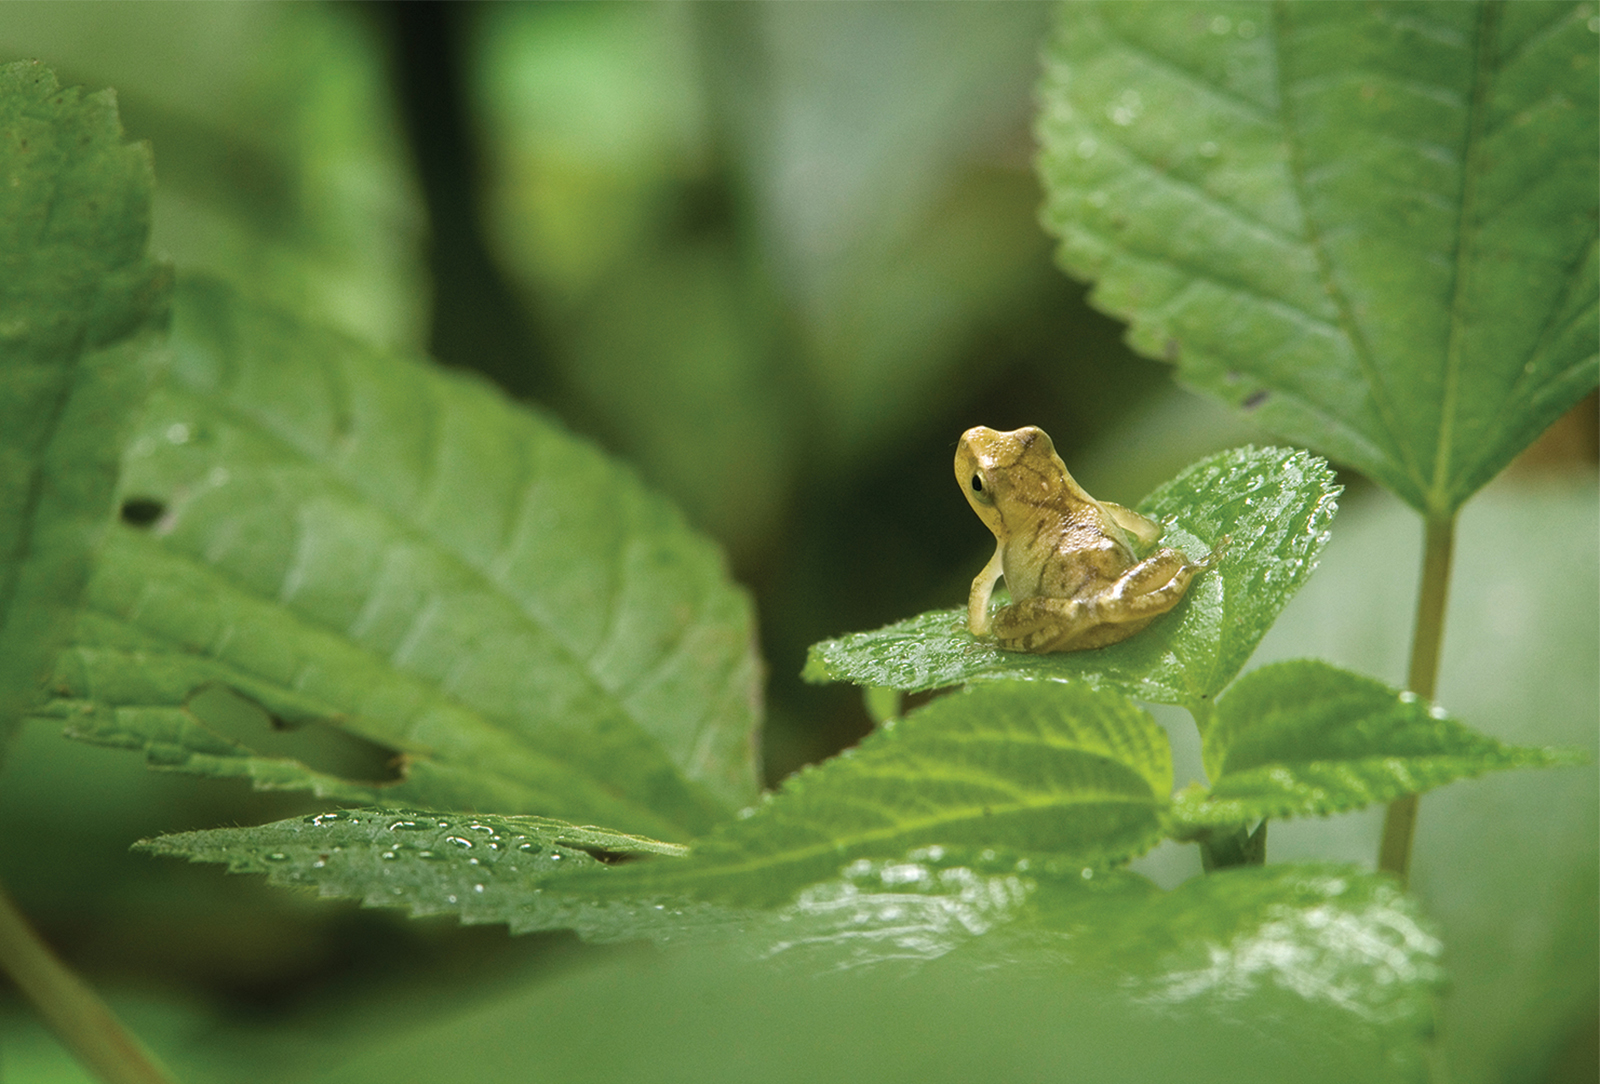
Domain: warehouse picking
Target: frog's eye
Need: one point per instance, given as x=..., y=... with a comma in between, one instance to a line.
x=978, y=491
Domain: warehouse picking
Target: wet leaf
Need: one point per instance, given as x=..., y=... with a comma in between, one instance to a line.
x=1274, y=504
x=482, y=869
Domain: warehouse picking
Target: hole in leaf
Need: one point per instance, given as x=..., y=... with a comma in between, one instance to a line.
x=318, y=744
x=142, y=511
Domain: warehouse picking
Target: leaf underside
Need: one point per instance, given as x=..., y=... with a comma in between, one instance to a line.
x=1275, y=505
x=1373, y=226
x=81, y=304
x=354, y=541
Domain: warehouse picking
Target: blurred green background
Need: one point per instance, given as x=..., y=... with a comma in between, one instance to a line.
x=777, y=257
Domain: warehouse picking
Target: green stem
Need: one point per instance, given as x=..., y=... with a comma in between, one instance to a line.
x=1399, y=826
x=1239, y=847
x=79, y=1018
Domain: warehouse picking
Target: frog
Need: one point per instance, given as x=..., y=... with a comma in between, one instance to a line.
x=1070, y=561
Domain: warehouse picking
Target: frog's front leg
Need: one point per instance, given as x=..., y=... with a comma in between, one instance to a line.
x=1117, y=611
x=982, y=591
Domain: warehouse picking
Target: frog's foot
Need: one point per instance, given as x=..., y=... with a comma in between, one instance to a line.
x=1137, y=597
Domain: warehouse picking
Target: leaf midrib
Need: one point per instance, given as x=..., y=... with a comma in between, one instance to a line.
x=846, y=845
x=1485, y=36
x=1361, y=349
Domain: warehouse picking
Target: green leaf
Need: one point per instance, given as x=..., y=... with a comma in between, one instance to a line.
x=284, y=165
x=1275, y=504
x=80, y=307
x=1065, y=773
x=1373, y=226
x=1298, y=973
x=1238, y=941
x=355, y=540
x=483, y=869
x=1308, y=739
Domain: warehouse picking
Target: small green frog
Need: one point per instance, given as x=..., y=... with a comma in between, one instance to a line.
x=1069, y=560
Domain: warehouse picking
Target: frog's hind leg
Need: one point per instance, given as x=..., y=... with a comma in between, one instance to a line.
x=1136, y=598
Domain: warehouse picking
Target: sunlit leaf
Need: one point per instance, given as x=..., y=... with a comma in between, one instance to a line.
x=1373, y=226
x=80, y=305
x=1306, y=739
x=355, y=540
x=1275, y=506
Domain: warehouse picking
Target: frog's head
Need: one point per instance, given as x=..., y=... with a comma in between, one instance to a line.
x=1000, y=471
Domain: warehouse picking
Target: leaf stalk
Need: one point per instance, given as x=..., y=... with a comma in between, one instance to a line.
x=1427, y=637
x=84, y=1024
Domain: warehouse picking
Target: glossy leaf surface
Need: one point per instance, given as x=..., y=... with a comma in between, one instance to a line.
x=1274, y=504
x=1373, y=226
x=480, y=868
x=1337, y=958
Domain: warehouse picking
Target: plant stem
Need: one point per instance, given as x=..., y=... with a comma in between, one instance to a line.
x=1427, y=636
x=79, y=1018
x=1240, y=847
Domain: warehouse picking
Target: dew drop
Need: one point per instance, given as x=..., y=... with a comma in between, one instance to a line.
x=1208, y=149
x=1087, y=147
x=389, y=856
x=276, y=856
x=450, y=899
x=477, y=888
x=459, y=842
